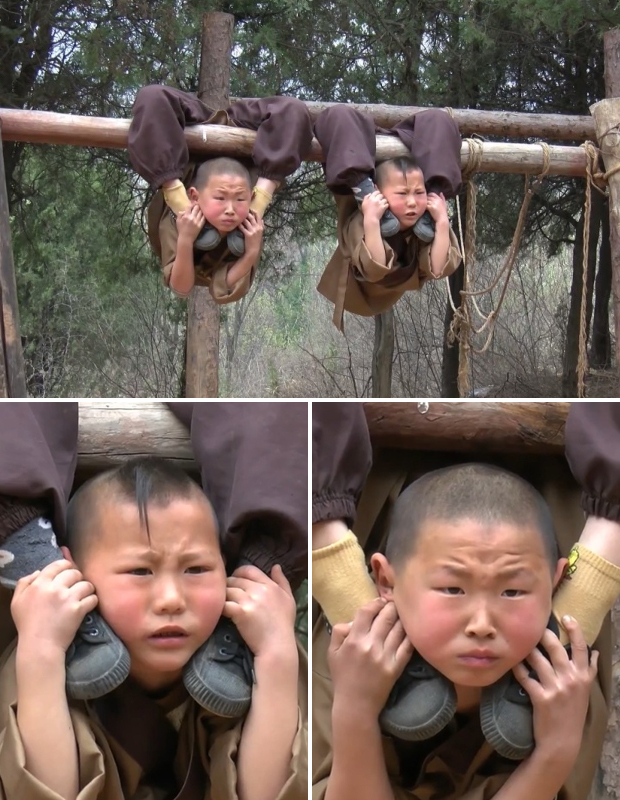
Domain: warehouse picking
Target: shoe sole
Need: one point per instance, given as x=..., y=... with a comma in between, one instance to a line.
x=498, y=741
x=430, y=729
x=216, y=704
x=90, y=690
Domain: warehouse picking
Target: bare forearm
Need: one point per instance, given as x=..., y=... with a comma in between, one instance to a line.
x=50, y=748
x=538, y=776
x=440, y=247
x=269, y=730
x=602, y=536
x=374, y=242
x=328, y=532
x=241, y=268
x=358, y=770
x=182, y=274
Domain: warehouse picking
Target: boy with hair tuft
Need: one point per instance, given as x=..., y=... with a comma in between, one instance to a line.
x=144, y=549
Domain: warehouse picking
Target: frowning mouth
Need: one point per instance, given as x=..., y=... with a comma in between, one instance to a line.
x=168, y=633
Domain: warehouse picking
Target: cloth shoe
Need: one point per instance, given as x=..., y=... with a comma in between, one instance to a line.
x=421, y=703
x=207, y=239
x=236, y=243
x=97, y=661
x=389, y=225
x=220, y=674
x=424, y=228
x=506, y=712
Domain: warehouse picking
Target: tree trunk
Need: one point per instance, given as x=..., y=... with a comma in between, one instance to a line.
x=203, y=313
x=383, y=355
x=600, y=353
x=571, y=348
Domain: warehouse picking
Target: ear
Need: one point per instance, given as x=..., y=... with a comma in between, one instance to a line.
x=383, y=574
x=559, y=572
x=192, y=193
x=67, y=554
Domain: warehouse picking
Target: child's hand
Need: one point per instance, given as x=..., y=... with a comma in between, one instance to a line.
x=437, y=207
x=49, y=605
x=190, y=223
x=561, y=695
x=367, y=656
x=262, y=607
x=252, y=228
x=374, y=206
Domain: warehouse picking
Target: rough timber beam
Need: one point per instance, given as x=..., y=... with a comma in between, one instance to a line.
x=46, y=127
x=516, y=124
x=112, y=431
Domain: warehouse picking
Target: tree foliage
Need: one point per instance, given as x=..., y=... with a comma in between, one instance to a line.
x=77, y=215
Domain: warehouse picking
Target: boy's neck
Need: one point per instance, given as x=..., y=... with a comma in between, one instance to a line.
x=467, y=698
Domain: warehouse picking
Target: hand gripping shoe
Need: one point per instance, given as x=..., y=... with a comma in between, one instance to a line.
x=421, y=703
x=97, y=661
x=506, y=712
x=220, y=674
x=389, y=225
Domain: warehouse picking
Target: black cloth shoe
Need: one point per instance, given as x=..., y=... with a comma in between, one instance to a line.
x=424, y=228
x=97, y=661
x=506, y=712
x=389, y=225
x=421, y=703
x=207, y=239
x=220, y=674
x=236, y=243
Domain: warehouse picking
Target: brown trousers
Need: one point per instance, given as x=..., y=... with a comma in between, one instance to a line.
x=158, y=151
x=347, y=137
x=253, y=459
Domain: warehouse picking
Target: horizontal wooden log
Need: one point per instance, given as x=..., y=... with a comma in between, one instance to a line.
x=469, y=426
x=516, y=124
x=110, y=432
x=46, y=127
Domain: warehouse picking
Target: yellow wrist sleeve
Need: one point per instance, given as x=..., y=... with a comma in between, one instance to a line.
x=340, y=580
x=587, y=592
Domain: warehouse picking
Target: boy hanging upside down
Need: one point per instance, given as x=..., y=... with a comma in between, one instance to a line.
x=211, y=232
x=393, y=233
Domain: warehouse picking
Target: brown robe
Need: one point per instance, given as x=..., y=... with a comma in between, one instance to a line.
x=204, y=762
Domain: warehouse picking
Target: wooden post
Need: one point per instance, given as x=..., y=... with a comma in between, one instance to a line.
x=606, y=115
x=383, y=354
x=203, y=313
x=12, y=372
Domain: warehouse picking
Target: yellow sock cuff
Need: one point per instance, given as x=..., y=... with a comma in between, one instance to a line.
x=260, y=201
x=340, y=580
x=176, y=197
x=587, y=592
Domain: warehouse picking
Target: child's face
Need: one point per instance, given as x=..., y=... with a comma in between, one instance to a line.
x=162, y=597
x=224, y=201
x=474, y=599
x=405, y=194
